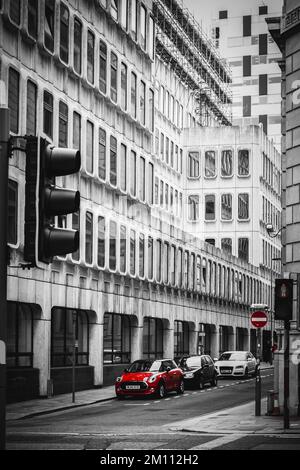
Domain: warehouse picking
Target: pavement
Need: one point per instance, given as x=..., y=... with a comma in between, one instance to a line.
x=41, y=406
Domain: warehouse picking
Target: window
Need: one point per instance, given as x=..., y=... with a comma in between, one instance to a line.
x=151, y=183
x=243, y=206
x=194, y=165
x=113, y=161
x=49, y=24
x=132, y=252
x=143, y=27
x=101, y=242
x=48, y=114
x=172, y=154
x=112, y=245
x=153, y=332
x=158, y=260
x=124, y=86
x=76, y=226
x=243, y=249
x=181, y=339
x=14, y=99
x=89, y=238
x=142, y=191
x=167, y=196
x=32, y=15
x=226, y=163
x=263, y=10
x=31, y=108
x=124, y=14
x=151, y=38
x=90, y=57
x=12, y=217
x=150, y=257
x=64, y=33
x=141, y=255
x=162, y=146
x=263, y=119
x=116, y=339
x=102, y=67
x=123, y=175
x=151, y=110
x=19, y=335
x=102, y=154
x=89, y=147
x=133, y=22
x=15, y=11
x=165, y=263
x=133, y=173
x=193, y=208
x=263, y=84
x=133, y=94
x=210, y=164
x=114, y=9
x=263, y=44
x=226, y=245
x=247, y=26
x=243, y=162
x=167, y=150
x=161, y=193
x=210, y=241
x=63, y=125
x=63, y=323
x=123, y=241
x=77, y=46
x=247, y=66
x=246, y=106
x=226, y=207
x=113, y=77
x=210, y=207
x=76, y=131
x=143, y=103
x=223, y=15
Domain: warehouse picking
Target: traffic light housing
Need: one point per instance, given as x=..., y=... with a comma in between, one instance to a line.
x=283, y=299
x=44, y=201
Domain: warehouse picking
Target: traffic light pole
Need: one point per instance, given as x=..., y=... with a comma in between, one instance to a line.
x=286, y=412
x=4, y=140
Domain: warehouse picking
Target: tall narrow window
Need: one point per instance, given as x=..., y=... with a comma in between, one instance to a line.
x=12, y=216
x=210, y=164
x=150, y=183
x=102, y=67
x=246, y=106
x=263, y=84
x=243, y=249
x=113, y=77
x=133, y=173
x=194, y=165
x=101, y=242
x=133, y=94
x=89, y=238
x=243, y=162
x=243, y=206
x=113, y=161
x=142, y=191
x=166, y=263
x=143, y=103
x=158, y=260
x=89, y=147
x=102, y=154
x=124, y=14
x=76, y=226
x=14, y=99
x=226, y=207
x=141, y=255
x=32, y=15
x=77, y=46
x=64, y=33
x=31, y=107
x=226, y=245
x=133, y=20
x=167, y=150
x=76, y=131
x=63, y=125
x=112, y=245
x=193, y=207
x=263, y=44
x=210, y=213
x=162, y=146
x=263, y=119
x=123, y=173
x=49, y=24
x=247, y=66
x=48, y=114
x=151, y=110
x=123, y=241
x=114, y=8
x=90, y=57
x=124, y=86
x=151, y=38
x=143, y=27
x=226, y=163
x=150, y=257
x=15, y=11
x=132, y=252
x=247, y=25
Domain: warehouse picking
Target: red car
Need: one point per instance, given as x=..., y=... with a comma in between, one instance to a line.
x=150, y=377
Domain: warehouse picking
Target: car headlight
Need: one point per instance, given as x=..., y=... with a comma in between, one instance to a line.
x=118, y=379
x=239, y=367
x=189, y=375
x=152, y=379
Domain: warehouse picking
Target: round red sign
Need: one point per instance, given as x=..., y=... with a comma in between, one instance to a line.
x=259, y=319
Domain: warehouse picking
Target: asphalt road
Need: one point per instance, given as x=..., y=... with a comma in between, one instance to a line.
x=134, y=423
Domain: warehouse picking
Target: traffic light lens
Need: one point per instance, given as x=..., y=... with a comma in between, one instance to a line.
x=62, y=161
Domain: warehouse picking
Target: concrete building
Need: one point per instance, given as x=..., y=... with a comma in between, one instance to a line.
x=141, y=285
x=241, y=35
x=285, y=30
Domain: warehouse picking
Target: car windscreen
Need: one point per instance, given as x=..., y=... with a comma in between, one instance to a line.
x=234, y=356
x=144, y=366
x=191, y=362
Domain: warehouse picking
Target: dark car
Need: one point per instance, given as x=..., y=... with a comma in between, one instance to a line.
x=198, y=370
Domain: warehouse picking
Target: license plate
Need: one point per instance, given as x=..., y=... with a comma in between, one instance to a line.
x=226, y=371
x=132, y=387
x=189, y=376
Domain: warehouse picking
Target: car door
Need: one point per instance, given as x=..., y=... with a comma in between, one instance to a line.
x=205, y=369
x=168, y=378
x=252, y=361
x=211, y=367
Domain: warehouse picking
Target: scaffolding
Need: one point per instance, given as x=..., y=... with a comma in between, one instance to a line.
x=182, y=44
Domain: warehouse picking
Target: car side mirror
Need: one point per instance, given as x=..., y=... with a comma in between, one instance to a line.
x=125, y=370
x=169, y=369
x=215, y=359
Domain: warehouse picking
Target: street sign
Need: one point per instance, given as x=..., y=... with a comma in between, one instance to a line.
x=259, y=319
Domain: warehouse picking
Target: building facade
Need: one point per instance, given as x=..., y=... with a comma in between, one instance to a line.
x=85, y=75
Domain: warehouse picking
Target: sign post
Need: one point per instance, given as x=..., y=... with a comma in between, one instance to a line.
x=259, y=319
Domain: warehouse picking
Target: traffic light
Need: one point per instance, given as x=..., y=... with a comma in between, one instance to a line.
x=44, y=201
x=283, y=299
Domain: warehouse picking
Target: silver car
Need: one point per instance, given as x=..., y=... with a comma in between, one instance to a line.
x=236, y=363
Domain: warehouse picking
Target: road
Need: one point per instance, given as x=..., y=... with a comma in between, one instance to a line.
x=142, y=424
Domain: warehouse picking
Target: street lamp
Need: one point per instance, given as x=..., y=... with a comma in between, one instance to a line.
x=271, y=231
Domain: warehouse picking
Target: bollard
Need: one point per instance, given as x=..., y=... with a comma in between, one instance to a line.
x=258, y=393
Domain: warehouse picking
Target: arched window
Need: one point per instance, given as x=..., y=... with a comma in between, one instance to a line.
x=19, y=335
x=153, y=333
x=116, y=339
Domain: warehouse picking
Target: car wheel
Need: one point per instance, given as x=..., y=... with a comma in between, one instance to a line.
x=161, y=391
x=214, y=382
x=180, y=389
x=246, y=373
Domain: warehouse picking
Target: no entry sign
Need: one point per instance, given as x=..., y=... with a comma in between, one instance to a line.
x=259, y=319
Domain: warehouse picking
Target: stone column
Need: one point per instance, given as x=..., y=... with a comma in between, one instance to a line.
x=169, y=339
x=193, y=346
x=215, y=342
x=96, y=351
x=137, y=341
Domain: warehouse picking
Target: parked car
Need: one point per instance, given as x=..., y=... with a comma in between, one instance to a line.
x=198, y=370
x=150, y=377
x=236, y=363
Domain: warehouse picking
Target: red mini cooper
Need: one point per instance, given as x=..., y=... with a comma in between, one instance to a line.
x=150, y=377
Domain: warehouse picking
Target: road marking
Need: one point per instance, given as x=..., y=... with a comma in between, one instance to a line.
x=218, y=442
x=166, y=399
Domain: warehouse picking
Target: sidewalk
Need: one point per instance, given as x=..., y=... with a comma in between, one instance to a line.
x=62, y=402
